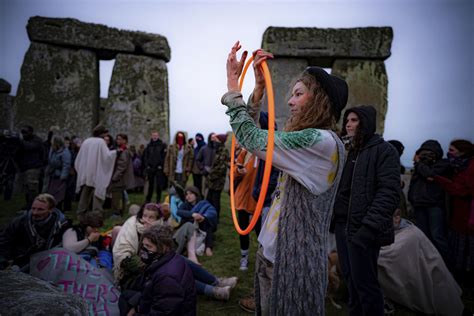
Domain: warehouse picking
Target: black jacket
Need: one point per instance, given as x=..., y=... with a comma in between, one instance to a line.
x=166, y=287
x=375, y=188
x=154, y=155
x=424, y=193
x=21, y=238
x=31, y=154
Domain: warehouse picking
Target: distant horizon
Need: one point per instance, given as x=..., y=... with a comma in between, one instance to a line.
x=430, y=71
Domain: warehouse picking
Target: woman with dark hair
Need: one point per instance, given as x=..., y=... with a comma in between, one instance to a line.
x=367, y=196
x=461, y=191
x=166, y=287
x=86, y=240
x=109, y=140
x=294, y=236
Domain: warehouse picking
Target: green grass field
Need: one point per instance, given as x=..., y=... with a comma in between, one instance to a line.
x=225, y=261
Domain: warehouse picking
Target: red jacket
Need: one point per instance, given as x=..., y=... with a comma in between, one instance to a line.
x=461, y=191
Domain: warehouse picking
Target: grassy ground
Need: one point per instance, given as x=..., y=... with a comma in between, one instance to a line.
x=225, y=261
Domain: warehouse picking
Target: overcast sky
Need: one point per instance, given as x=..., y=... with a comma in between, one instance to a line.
x=430, y=72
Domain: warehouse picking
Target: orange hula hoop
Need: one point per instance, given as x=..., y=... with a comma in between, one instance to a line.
x=268, y=157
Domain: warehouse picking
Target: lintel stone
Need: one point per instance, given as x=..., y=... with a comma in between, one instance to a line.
x=329, y=43
x=106, y=41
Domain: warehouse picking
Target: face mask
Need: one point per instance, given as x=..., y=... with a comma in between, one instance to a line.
x=147, y=256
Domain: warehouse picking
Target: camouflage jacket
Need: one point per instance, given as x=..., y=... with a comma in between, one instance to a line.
x=216, y=178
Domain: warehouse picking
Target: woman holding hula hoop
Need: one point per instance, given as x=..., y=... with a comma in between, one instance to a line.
x=291, y=265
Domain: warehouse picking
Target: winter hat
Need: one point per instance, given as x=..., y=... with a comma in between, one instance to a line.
x=222, y=138
x=194, y=190
x=433, y=146
x=335, y=87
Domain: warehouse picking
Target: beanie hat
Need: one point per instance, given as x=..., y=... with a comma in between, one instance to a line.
x=222, y=138
x=194, y=190
x=335, y=87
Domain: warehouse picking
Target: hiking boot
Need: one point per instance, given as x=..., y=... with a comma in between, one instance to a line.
x=247, y=304
x=221, y=293
x=244, y=263
x=232, y=282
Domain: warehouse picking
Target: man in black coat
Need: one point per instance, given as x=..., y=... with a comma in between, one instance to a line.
x=427, y=197
x=41, y=228
x=367, y=198
x=31, y=158
x=153, y=162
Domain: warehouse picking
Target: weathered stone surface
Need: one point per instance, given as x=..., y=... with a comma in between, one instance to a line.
x=5, y=86
x=368, y=84
x=138, y=98
x=58, y=86
x=22, y=294
x=106, y=41
x=283, y=71
x=6, y=111
x=367, y=43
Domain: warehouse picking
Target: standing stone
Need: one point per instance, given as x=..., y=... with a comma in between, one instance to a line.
x=58, y=86
x=368, y=84
x=283, y=72
x=6, y=105
x=138, y=98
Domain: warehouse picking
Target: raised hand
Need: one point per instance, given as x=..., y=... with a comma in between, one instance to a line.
x=235, y=67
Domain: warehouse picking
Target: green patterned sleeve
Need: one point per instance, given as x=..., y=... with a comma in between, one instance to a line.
x=256, y=139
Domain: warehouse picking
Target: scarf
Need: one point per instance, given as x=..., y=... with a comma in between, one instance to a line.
x=300, y=272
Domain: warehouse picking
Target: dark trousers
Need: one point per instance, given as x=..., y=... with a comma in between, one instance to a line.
x=197, y=181
x=432, y=222
x=244, y=220
x=214, y=197
x=359, y=269
x=157, y=177
x=205, y=226
x=70, y=193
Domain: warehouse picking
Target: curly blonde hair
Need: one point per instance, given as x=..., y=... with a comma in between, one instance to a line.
x=317, y=112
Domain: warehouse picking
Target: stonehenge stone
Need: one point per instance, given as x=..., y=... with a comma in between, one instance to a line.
x=138, y=96
x=6, y=105
x=22, y=294
x=6, y=111
x=5, y=86
x=104, y=40
x=58, y=87
x=283, y=71
x=355, y=54
x=327, y=44
x=368, y=82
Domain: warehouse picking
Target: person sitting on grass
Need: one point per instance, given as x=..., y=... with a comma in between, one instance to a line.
x=86, y=240
x=166, y=287
x=201, y=212
x=39, y=229
x=127, y=264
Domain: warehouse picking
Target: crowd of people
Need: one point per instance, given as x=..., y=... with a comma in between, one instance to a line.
x=325, y=185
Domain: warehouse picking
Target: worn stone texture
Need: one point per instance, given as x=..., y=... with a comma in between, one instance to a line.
x=5, y=86
x=138, y=99
x=58, y=86
x=283, y=72
x=7, y=113
x=303, y=42
x=22, y=294
x=368, y=82
x=106, y=41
